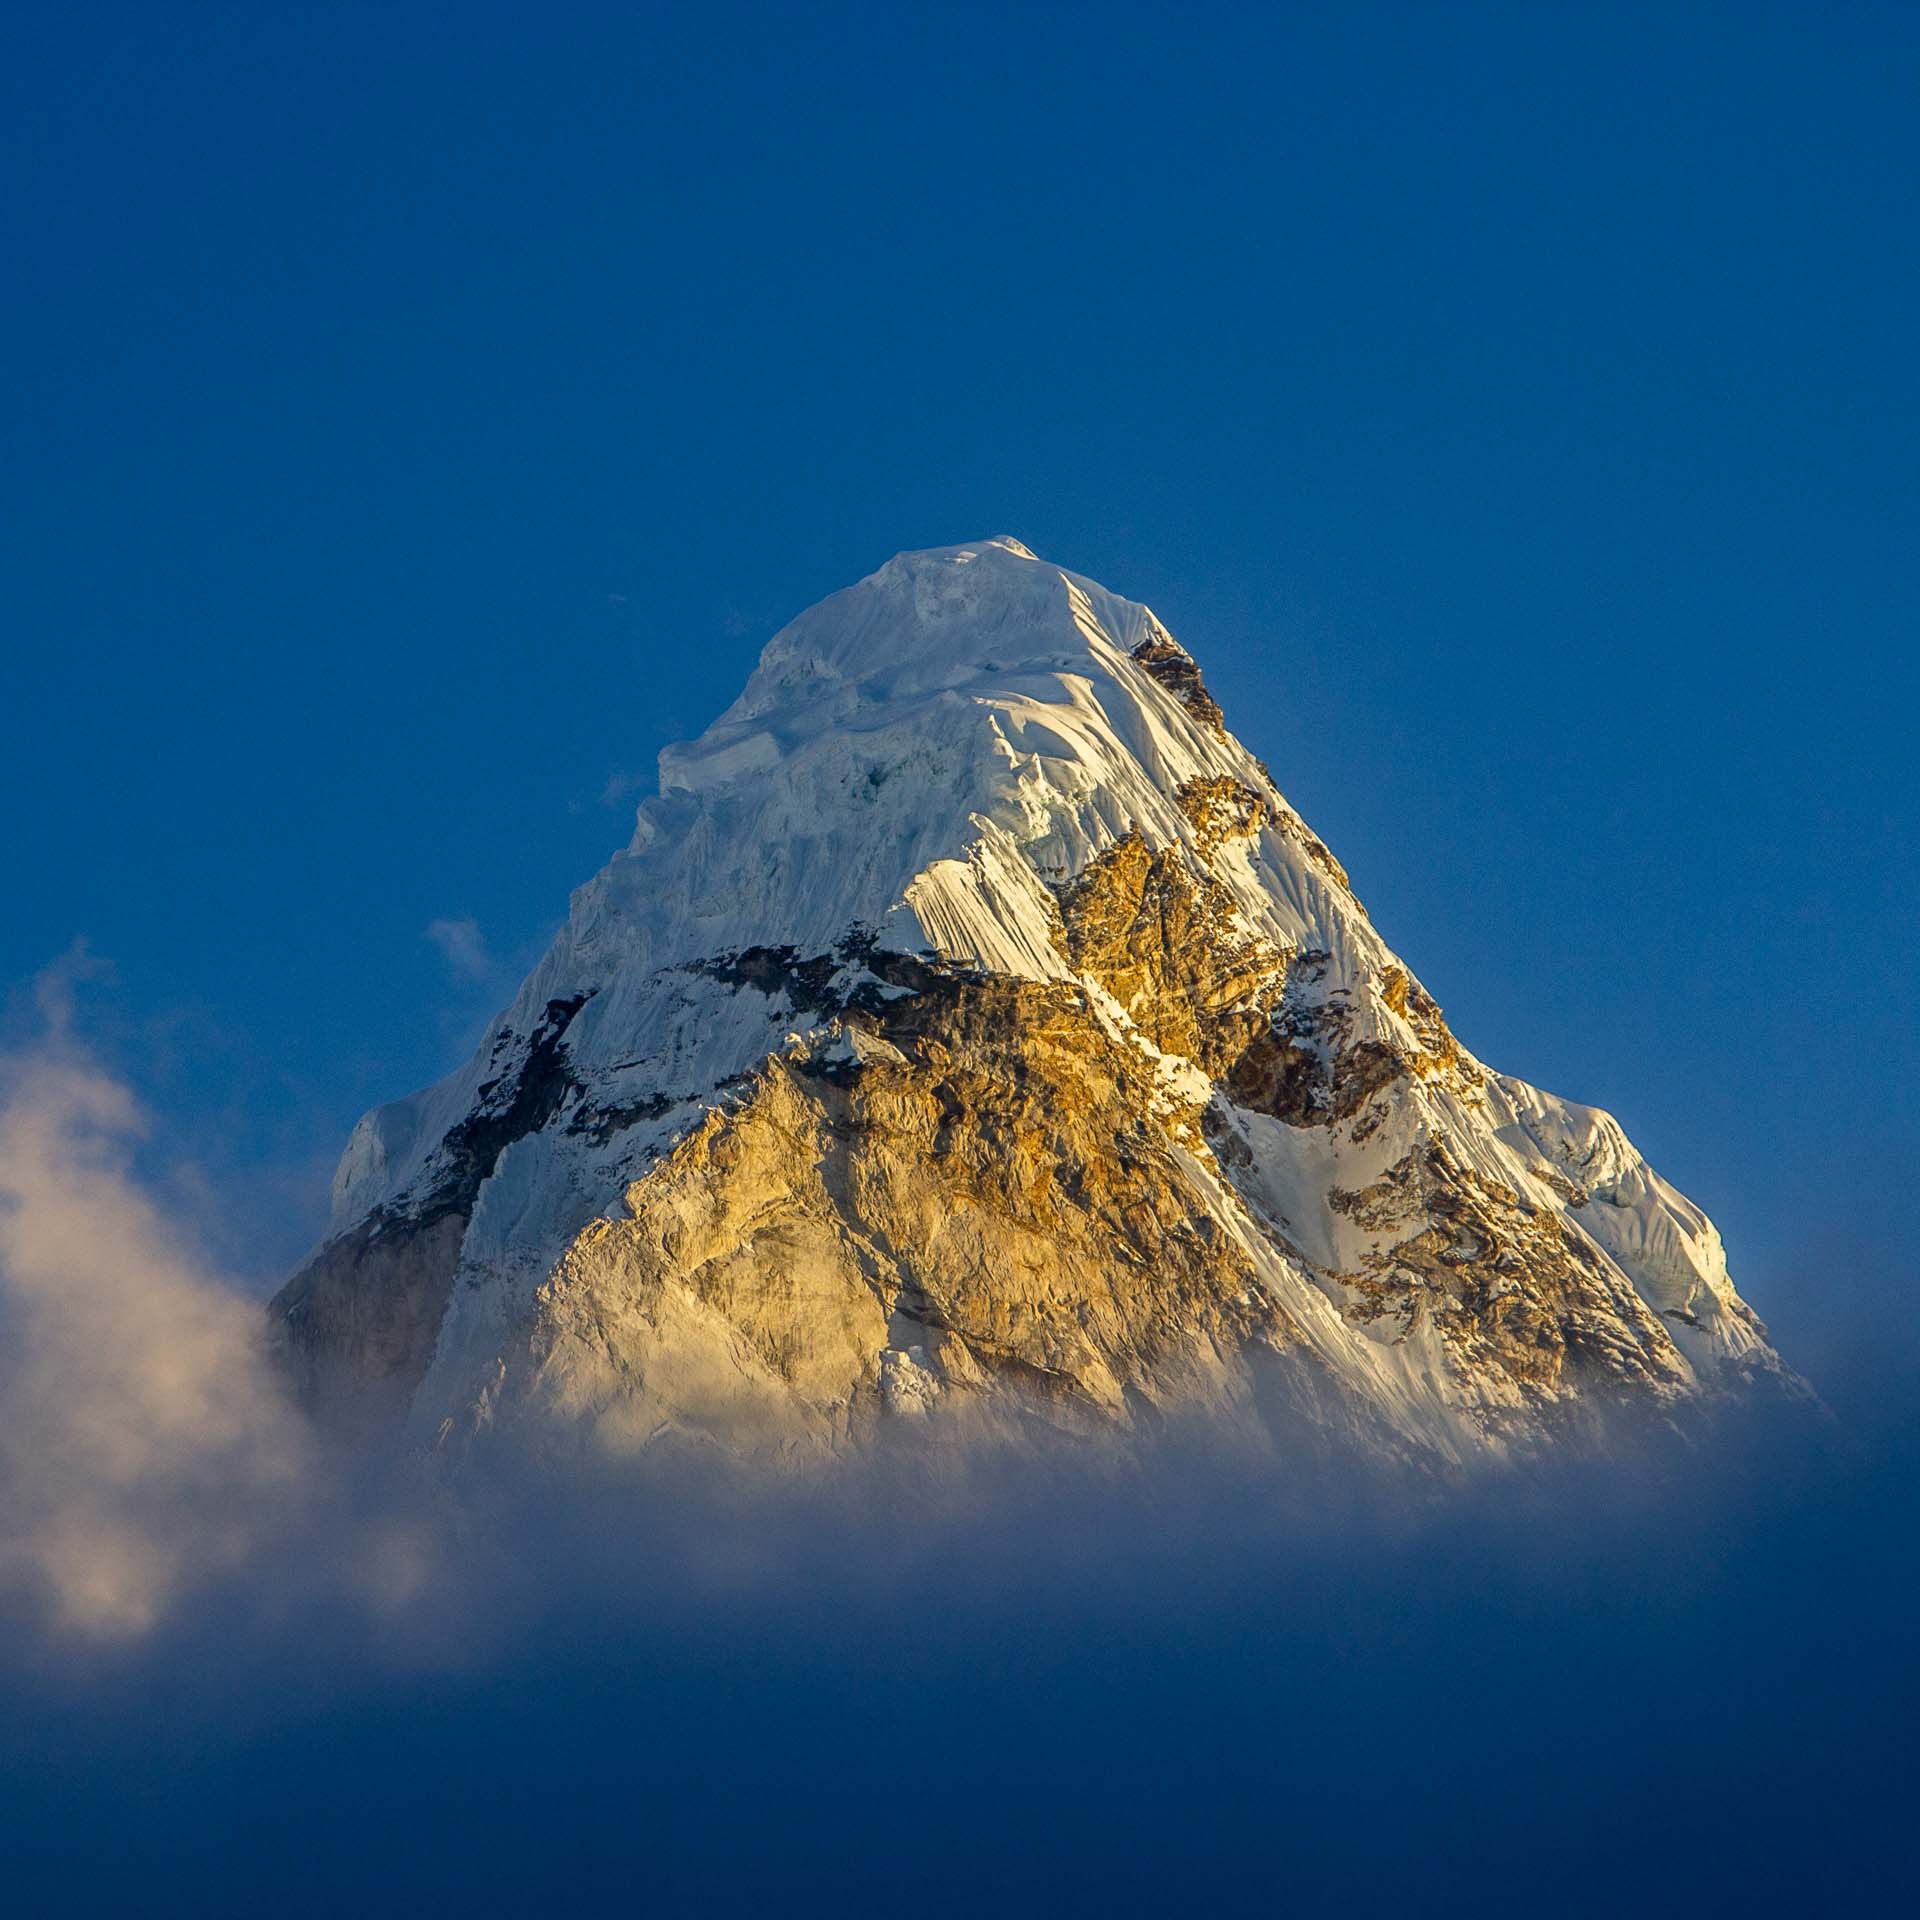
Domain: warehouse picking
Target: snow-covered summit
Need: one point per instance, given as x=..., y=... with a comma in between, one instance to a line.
x=970, y=804
x=921, y=753
x=926, y=620
x=925, y=624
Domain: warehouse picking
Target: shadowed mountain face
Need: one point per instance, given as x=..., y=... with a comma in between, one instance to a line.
x=972, y=1045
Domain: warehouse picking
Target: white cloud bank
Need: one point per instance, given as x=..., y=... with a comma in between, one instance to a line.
x=145, y=1442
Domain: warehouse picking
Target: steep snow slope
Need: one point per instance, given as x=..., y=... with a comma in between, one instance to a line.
x=972, y=1040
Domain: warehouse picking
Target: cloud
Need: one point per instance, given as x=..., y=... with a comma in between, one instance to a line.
x=55, y=986
x=145, y=1443
x=464, y=948
x=620, y=786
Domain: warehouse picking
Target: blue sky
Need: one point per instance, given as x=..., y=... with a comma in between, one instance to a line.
x=417, y=417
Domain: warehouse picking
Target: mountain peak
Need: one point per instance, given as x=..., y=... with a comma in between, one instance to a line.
x=973, y=1034
x=980, y=618
x=966, y=551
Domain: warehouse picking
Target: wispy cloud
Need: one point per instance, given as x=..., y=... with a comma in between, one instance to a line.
x=464, y=948
x=620, y=787
x=145, y=1442
x=56, y=985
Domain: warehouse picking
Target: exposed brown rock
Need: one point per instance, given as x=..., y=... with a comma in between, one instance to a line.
x=1177, y=670
x=1221, y=810
x=355, y=1327
x=985, y=1207
x=1510, y=1287
x=1160, y=934
x=1438, y=1051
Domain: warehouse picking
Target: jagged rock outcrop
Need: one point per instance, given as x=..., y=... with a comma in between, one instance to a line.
x=973, y=1043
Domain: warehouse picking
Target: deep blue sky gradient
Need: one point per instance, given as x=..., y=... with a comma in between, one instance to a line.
x=418, y=416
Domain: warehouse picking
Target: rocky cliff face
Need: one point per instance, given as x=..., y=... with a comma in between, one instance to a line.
x=973, y=1044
